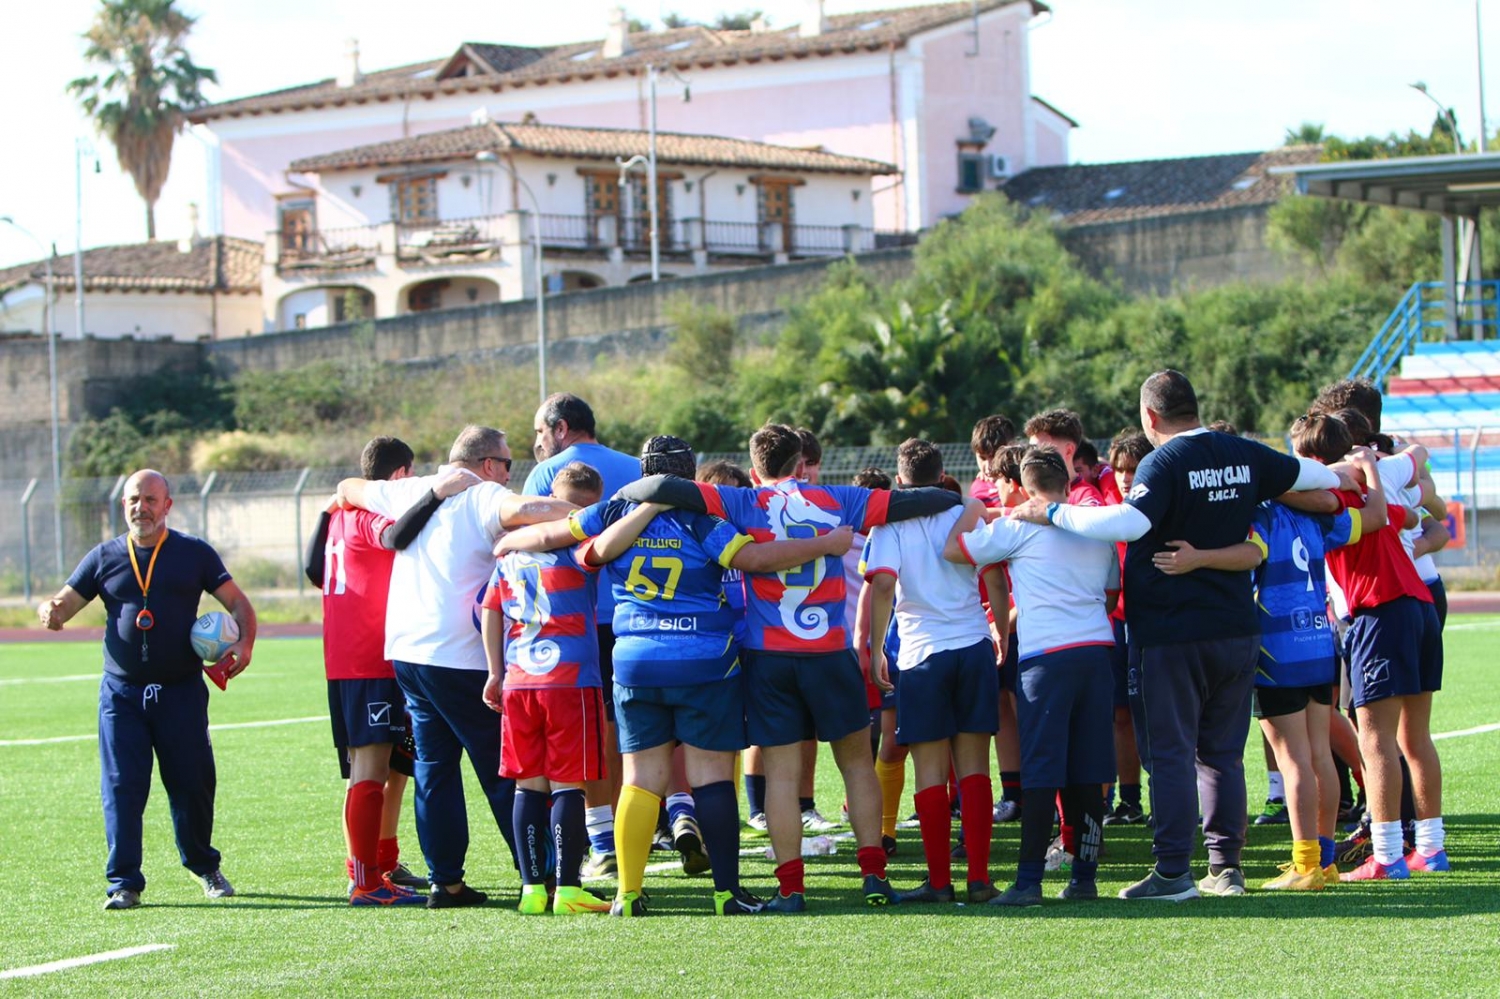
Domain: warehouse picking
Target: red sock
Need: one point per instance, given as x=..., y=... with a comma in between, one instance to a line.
x=937, y=830
x=362, y=807
x=871, y=861
x=790, y=877
x=1065, y=829
x=388, y=855
x=978, y=805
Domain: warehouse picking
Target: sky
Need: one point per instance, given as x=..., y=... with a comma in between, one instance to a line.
x=1145, y=79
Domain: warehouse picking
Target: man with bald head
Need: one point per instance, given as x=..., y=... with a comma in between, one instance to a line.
x=432, y=637
x=152, y=699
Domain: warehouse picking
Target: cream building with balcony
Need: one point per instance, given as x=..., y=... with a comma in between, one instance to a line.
x=447, y=218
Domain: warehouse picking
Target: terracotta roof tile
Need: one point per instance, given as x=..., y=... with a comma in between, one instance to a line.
x=587, y=143
x=1118, y=192
x=509, y=66
x=222, y=264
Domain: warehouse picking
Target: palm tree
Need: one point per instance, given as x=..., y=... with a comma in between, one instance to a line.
x=148, y=83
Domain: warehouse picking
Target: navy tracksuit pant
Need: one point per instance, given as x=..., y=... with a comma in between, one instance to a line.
x=449, y=718
x=1191, y=706
x=137, y=720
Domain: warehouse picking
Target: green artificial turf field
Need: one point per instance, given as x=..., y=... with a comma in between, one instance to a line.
x=290, y=930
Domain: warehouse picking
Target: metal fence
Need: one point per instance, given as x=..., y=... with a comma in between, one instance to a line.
x=260, y=521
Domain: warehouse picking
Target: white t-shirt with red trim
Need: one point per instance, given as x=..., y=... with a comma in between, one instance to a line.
x=1058, y=579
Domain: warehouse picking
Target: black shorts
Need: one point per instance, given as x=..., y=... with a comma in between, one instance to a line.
x=1273, y=702
x=368, y=712
x=1010, y=670
x=607, y=667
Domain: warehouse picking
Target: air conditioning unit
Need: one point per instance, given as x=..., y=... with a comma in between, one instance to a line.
x=999, y=168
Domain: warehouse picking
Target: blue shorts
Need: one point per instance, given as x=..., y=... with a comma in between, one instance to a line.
x=709, y=716
x=369, y=712
x=949, y=692
x=1065, y=713
x=1010, y=669
x=795, y=698
x=1119, y=661
x=1395, y=649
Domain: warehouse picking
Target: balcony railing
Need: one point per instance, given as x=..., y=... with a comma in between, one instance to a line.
x=349, y=248
x=481, y=239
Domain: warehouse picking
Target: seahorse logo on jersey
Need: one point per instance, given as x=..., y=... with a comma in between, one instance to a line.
x=792, y=516
x=535, y=655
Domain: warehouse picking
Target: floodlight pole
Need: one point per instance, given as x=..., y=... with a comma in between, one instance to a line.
x=489, y=158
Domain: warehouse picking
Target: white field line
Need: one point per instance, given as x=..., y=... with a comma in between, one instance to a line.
x=1472, y=626
x=212, y=728
x=13, y=681
x=1476, y=730
x=79, y=962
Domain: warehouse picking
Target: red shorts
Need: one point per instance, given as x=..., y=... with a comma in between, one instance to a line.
x=553, y=732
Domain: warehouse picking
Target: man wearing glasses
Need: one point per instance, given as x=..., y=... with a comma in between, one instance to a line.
x=438, y=655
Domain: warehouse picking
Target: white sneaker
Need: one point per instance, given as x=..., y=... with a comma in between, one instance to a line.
x=216, y=885
x=122, y=898
x=1057, y=857
x=757, y=821
x=813, y=821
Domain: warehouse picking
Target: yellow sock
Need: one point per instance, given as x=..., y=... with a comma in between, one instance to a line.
x=1305, y=855
x=635, y=824
x=892, y=777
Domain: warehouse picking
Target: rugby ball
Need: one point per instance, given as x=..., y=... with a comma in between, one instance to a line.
x=213, y=635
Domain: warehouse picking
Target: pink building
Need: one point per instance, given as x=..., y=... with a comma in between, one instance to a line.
x=940, y=91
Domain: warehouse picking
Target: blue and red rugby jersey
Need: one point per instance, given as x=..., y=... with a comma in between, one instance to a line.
x=548, y=600
x=801, y=610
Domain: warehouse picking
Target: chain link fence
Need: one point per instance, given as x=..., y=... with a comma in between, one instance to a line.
x=260, y=521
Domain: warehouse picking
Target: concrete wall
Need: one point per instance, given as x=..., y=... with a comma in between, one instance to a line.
x=96, y=375
x=1180, y=251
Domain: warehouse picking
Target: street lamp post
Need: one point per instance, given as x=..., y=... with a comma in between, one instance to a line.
x=652, y=73
x=488, y=158
x=81, y=150
x=57, y=534
x=1444, y=112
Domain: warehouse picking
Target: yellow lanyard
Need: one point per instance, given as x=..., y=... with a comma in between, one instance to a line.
x=145, y=584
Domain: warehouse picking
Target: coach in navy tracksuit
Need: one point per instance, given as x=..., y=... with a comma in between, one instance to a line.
x=1198, y=634
x=152, y=697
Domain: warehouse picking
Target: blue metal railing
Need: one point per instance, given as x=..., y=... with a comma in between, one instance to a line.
x=1422, y=317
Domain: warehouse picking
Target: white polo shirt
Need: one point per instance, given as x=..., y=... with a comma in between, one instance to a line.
x=435, y=582
x=1058, y=578
x=937, y=601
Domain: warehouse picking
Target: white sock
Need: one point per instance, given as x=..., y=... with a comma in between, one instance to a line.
x=1430, y=836
x=599, y=819
x=1386, y=838
x=1278, y=786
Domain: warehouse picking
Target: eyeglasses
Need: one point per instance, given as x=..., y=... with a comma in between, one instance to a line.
x=504, y=461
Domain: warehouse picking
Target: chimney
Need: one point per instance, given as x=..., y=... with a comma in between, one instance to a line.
x=186, y=244
x=479, y=116
x=349, y=73
x=617, y=41
x=759, y=25
x=814, y=21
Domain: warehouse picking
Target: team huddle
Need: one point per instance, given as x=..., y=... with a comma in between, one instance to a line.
x=613, y=645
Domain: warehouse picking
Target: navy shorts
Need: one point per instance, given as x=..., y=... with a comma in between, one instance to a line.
x=1395, y=649
x=1439, y=600
x=1065, y=713
x=368, y=712
x=1119, y=661
x=708, y=716
x=949, y=692
x=795, y=698
x=1273, y=702
x=1010, y=669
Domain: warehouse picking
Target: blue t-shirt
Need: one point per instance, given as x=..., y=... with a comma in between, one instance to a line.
x=186, y=569
x=1296, y=640
x=1204, y=488
x=616, y=469
x=673, y=623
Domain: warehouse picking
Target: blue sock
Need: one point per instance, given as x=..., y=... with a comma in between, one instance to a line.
x=1029, y=873
x=806, y=804
x=600, y=823
x=1084, y=871
x=1325, y=850
x=569, y=837
x=755, y=793
x=678, y=805
x=719, y=821
x=533, y=839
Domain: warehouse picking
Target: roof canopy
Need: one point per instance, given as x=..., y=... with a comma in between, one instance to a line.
x=1455, y=184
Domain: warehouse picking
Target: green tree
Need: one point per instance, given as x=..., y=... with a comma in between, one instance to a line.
x=147, y=85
